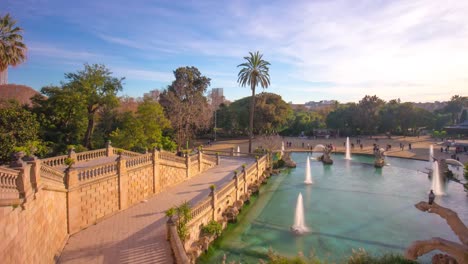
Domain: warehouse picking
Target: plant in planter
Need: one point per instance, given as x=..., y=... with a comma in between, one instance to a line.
x=213, y=228
x=182, y=215
x=69, y=162
x=212, y=187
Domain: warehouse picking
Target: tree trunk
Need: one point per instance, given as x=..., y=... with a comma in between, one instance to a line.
x=89, y=131
x=458, y=251
x=252, y=107
x=4, y=77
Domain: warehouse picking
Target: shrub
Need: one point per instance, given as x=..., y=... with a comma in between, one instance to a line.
x=213, y=228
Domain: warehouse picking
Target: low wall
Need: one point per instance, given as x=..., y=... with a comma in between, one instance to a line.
x=219, y=201
x=42, y=203
x=33, y=230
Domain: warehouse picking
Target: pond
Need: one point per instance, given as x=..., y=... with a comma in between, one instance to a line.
x=350, y=205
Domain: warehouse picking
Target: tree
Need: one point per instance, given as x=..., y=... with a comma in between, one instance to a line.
x=96, y=88
x=18, y=128
x=185, y=104
x=253, y=73
x=463, y=116
x=368, y=109
x=454, y=106
x=12, y=48
x=62, y=116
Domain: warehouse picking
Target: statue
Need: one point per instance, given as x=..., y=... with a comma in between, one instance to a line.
x=379, y=161
x=325, y=158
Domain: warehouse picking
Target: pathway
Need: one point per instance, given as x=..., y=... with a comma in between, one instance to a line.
x=138, y=234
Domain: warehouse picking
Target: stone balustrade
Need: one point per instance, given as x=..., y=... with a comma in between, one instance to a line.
x=8, y=186
x=63, y=200
x=219, y=201
x=90, y=155
x=55, y=161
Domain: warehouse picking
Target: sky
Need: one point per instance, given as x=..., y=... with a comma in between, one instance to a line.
x=319, y=50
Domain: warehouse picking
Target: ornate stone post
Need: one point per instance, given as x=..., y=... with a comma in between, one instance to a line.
x=24, y=180
x=236, y=178
x=156, y=183
x=35, y=173
x=72, y=154
x=109, y=149
x=188, y=165
x=123, y=182
x=217, y=158
x=258, y=167
x=213, y=202
x=73, y=200
x=246, y=184
x=200, y=159
x=232, y=151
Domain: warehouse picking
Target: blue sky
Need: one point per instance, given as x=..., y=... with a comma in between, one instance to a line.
x=414, y=50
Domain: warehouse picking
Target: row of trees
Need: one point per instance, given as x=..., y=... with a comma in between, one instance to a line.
x=370, y=115
x=84, y=111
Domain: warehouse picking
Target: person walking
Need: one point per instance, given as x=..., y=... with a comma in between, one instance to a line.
x=431, y=197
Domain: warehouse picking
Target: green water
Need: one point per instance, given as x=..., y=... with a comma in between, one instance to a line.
x=351, y=205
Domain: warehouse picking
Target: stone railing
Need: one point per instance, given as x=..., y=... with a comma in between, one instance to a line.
x=219, y=201
x=176, y=244
x=8, y=183
x=209, y=158
x=144, y=159
x=126, y=153
x=169, y=156
x=98, y=171
x=52, y=175
x=55, y=161
x=90, y=155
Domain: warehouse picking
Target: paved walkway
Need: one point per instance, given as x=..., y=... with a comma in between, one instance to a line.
x=138, y=234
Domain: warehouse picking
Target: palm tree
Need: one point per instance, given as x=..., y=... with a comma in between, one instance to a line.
x=12, y=48
x=253, y=72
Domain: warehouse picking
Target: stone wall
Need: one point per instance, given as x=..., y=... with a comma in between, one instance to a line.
x=42, y=202
x=214, y=207
x=33, y=228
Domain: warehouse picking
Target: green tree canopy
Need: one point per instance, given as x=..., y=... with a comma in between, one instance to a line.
x=12, y=47
x=18, y=128
x=185, y=104
x=254, y=72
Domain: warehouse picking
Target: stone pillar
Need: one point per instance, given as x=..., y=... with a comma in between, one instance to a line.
x=258, y=167
x=217, y=158
x=123, y=182
x=109, y=149
x=200, y=160
x=156, y=180
x=246, y=184
x=72, y=154
x=73, y=201
x=35, y=173
x=232, y=152
x=213, y=204
x=188, y=165
x=24, y=182
x=236, y=178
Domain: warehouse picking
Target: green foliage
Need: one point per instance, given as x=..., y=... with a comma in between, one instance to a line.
x=212, y=187
x=18, y=128
x=212, y=228
x=69, y=162
x=31, y=148
x=463, y=116
x=12, y=47
x=272, y=115
x=278, y=164
x=362, y=257
x=185, y=104
x=144, y=129
x=182, y=215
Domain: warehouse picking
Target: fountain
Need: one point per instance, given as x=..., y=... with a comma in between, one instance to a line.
x=348, y=150
x=431, y=154
x=238, y=151
x=299, y=226
x=308, y=175
x=437, y=185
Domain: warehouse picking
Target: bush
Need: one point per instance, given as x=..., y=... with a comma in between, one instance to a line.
x=278, y=164
x=362, y=257
x=212, y=228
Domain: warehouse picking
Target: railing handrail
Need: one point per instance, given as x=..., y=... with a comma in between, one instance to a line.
x=8, y=183
x=138, y=160
x=92, y=154
x=97, y=170
x=55, y=161
x=169, y=156
x=51, y=173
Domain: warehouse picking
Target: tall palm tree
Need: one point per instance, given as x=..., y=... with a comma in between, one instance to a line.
x=12, y=48
x=253, y=73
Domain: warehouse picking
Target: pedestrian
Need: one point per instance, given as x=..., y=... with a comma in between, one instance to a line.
x=361, y=146
x=431, y=197
x=409, y=146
